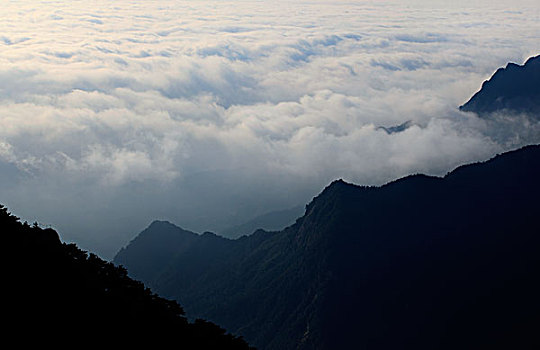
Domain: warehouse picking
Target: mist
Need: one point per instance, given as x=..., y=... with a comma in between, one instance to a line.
x=207, y=113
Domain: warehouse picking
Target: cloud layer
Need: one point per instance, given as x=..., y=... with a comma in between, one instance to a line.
x=114, y=113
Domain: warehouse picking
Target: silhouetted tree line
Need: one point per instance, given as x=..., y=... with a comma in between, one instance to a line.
x=54, y=286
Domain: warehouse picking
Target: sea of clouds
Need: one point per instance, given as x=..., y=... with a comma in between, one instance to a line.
x=207, y=113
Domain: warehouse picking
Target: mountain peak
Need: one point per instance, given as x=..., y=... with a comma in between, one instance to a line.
x=338, y=185
x=515, y=88
x=330, y=193
x=160, y=223
x=155, y=246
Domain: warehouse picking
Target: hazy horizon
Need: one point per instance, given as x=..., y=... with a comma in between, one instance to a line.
x=207, y=113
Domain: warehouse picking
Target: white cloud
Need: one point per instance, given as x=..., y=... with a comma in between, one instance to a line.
x=206, y=113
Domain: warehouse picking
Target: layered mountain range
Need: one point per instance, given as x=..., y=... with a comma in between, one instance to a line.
x=419, y=263
x=55, y=293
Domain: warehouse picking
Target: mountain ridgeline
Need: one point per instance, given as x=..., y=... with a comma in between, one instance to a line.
x=54, y=291
x=271, y=221
x=514, y=89
x=419, y=263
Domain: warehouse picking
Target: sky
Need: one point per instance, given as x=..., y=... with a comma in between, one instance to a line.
x=208, y=113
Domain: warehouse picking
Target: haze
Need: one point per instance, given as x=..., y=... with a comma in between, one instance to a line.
x=208, y=113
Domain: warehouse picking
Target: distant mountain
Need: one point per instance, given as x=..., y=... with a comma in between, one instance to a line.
x=154, y=248
x=396, y=128
x=419, y=263
x=272, y=221
x=512, y=89
x=54, y=291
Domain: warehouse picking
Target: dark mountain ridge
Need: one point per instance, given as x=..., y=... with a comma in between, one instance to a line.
x=514, y=89
x=420, y=263
x=55, y=292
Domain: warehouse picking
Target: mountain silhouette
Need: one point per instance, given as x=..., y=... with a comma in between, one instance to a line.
x=271, y=221
x=54, y=291
x=419, y=263
x=514, y=89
